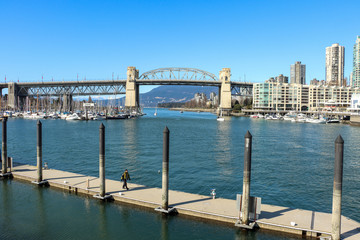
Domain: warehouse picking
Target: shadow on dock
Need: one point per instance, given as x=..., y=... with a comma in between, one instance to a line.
x=269, y=215
x=350, y=233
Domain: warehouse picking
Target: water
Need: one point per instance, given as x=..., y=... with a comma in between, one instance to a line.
x=292, y=163
x=29, y=212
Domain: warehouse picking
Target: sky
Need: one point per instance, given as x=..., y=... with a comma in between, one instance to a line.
x=69, y=40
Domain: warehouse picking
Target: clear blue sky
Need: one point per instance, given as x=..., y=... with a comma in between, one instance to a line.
x=259, y=39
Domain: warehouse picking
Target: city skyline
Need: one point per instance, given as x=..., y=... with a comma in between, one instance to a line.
x=67, y=40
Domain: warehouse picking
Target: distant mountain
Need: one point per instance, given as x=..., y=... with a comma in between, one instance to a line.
x=165, y=94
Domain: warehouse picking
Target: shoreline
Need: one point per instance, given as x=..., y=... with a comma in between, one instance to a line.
x=210, y=110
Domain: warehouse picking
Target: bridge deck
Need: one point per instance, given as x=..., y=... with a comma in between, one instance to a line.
x=272, y=217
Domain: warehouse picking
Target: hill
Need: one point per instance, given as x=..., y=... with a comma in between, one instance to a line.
x=165, y=94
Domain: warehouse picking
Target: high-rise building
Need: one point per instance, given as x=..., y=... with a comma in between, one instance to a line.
x=282, y=79
x=356, y=64
x=297, y=73
x=334, y=66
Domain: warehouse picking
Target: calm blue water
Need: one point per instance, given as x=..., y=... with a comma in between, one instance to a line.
x=292, y=163
x=29, y=212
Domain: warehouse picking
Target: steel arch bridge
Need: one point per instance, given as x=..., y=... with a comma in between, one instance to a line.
x=159, y=76
x=178, y=76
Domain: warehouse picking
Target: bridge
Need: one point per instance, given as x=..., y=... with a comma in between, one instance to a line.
x=17, y=92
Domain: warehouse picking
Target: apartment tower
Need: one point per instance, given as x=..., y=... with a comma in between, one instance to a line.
x=356, y=64
x=334, y=66
x=297, y=73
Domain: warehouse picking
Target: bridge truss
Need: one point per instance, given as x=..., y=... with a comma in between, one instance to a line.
x=242, y=89
x=178, y=74
x=75, y=88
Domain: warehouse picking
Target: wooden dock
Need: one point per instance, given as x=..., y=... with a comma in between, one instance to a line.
x=308, y=223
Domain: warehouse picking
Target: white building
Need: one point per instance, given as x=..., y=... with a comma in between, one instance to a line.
x=283, y=96
x=356, y=64
x=334, y=66
x=355, y=103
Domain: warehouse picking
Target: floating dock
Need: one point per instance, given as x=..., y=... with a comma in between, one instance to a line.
x=280, y=219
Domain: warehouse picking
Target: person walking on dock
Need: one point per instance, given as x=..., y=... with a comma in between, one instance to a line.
x=125, y=176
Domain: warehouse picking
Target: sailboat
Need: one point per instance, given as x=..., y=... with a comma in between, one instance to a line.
x=220, y=117
x=155, y=114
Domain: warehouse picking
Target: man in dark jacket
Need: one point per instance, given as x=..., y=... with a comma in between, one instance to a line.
x=125, y=176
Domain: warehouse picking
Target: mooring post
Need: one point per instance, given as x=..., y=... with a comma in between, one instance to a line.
x=246, y=179
x=86, y=114
x=165, y=169
x=102, y=159
x=4, y=147
x=39, y=151
x=337, y=190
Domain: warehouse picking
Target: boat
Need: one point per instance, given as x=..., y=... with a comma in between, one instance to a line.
x=73, y=116
x=290, y=116
x=332, y=120
x=155, y=114
x=301, y=117
x=118, y=116
x=320, y=120
x=220, y=117
x=269, y=117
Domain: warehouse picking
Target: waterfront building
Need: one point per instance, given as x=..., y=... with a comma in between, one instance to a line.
x=200, y=97
x=282, y=79
x=279, y=96
x=270, y=80
x=317, y=82
x=298, y=97
x=297, y=73
x=279, y=79
x=214, y=99
x=355, y=103
x=334, y=66
x=356, y=64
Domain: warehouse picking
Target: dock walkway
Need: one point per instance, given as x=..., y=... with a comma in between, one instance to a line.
x=308, y=223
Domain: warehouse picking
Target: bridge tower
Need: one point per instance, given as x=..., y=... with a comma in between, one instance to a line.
x=225, y=89
x=12, y=95
x=132, y=89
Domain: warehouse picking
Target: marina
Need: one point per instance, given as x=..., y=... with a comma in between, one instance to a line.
x=152, y=120
x=201, y=190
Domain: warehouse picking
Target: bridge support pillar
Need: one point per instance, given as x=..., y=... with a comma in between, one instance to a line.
x=225, y=90
x=132, y=89
x=12, y=95
x=67, y=102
